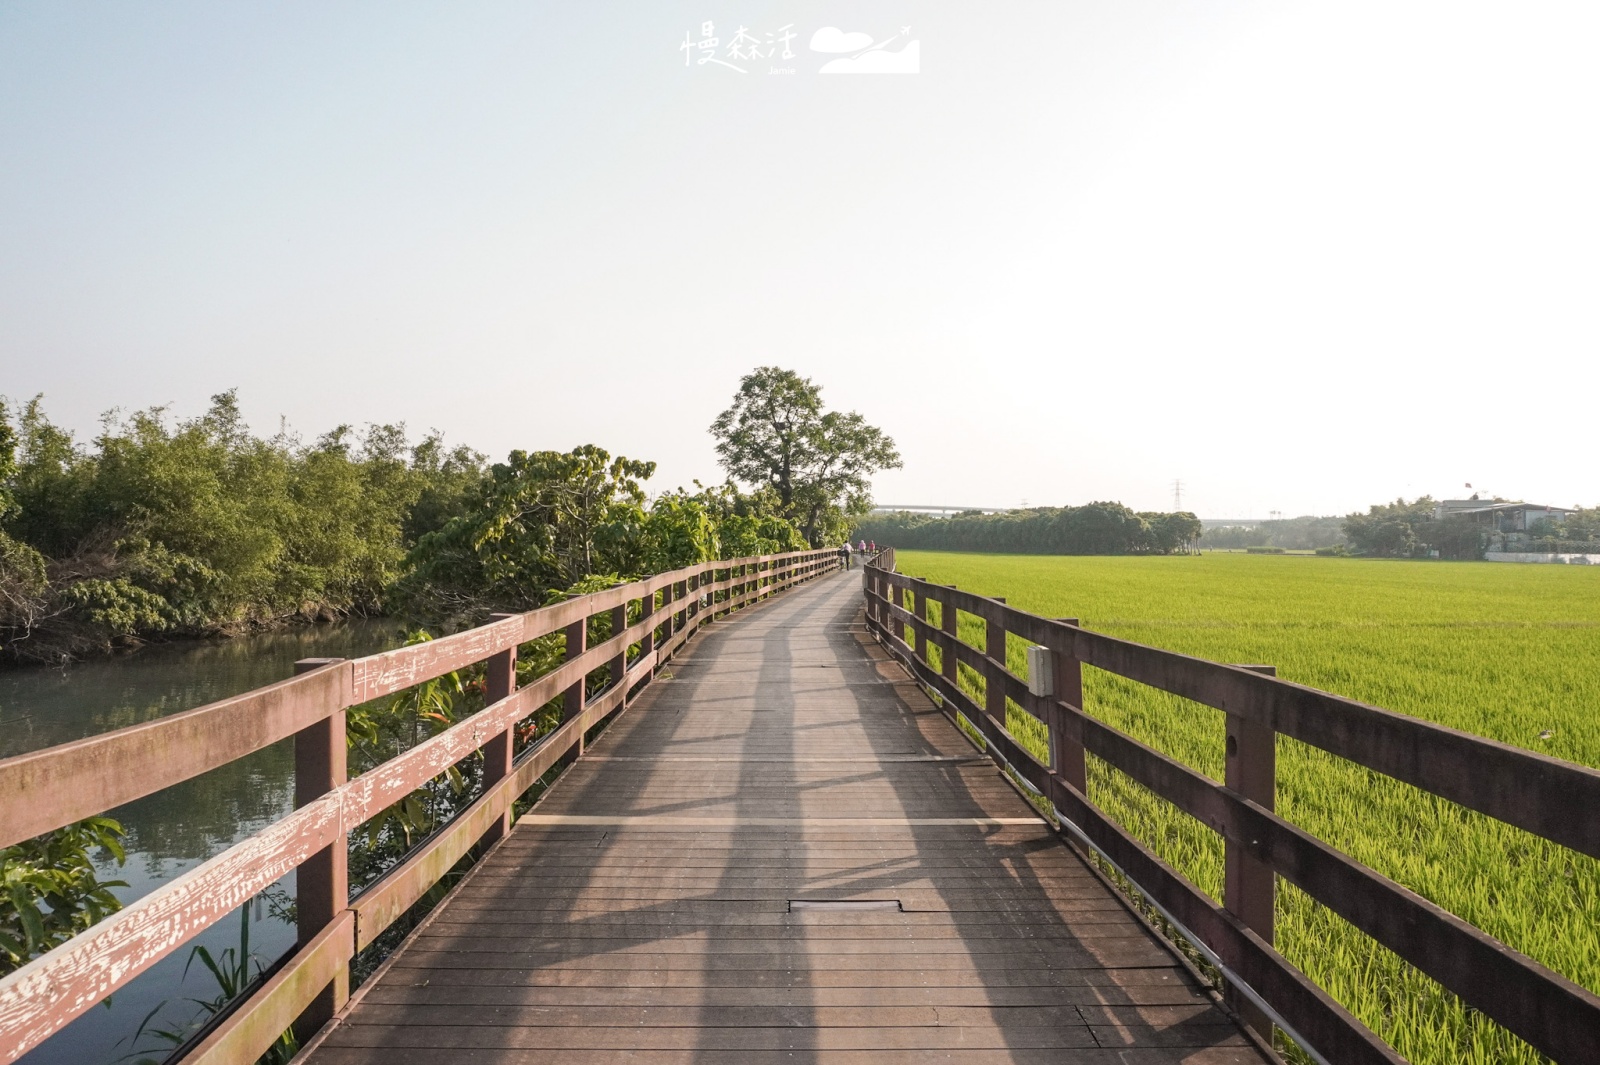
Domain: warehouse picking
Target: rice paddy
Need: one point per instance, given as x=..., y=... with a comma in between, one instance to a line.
x=1511, y=652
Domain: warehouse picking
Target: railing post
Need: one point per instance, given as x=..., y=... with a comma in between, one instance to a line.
x=947, y=625
x=1250, y=886
x=1066, y=741
x=893, y=595
x=577, y=693
x=691, y=594
x=994, y=645
x=500, y=680
x=322, y=883
x=669, y=595
x=919, y=609
x=619, y=664
x=647, y=610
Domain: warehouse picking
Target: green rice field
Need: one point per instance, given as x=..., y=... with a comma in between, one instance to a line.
x=1506, y=651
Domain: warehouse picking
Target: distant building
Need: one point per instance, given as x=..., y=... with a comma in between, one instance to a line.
x=1509, y=529
x=1503, y=518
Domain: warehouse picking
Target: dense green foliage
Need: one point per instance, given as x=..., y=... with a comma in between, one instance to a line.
x=1582, y=526
x=200, y=527
x=1407, y=530
x=1093, y=529
x=818, y=463
x=548, y=521
x=1506, y=652
x=50, y=890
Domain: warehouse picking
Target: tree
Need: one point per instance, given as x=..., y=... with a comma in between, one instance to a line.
x=160, y=528
x=1092, y=529
x=8, y=461
x=1582, y=525
x=1172, y=532
x=1388, y=529
x=713, y=523
x=541, y=520
x=1406, y=530
x=777, y=435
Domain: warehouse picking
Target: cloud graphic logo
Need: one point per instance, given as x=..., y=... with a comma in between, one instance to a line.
x=907, y=60
x=834, y=40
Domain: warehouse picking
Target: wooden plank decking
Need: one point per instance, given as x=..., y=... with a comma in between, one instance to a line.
x=643, y=913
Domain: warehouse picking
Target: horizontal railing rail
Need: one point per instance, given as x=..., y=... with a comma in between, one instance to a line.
x=48, y=789
x=1558, y=801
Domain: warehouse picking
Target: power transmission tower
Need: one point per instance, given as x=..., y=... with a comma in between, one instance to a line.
x=1177, y=495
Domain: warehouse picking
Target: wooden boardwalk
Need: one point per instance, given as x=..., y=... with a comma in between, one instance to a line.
x=653, y=907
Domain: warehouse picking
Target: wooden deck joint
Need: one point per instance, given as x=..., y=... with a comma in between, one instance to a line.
x=669, y=821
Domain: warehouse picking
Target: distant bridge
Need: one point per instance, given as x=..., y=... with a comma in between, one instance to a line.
x=943, y=511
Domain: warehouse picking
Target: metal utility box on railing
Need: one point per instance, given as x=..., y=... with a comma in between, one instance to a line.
x=1041, y=671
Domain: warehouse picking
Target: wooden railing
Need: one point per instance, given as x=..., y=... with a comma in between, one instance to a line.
x=1556, y=800
x=48, y=789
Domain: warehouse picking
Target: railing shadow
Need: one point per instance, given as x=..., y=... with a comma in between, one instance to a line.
x=1126, y=988
x=678, y=937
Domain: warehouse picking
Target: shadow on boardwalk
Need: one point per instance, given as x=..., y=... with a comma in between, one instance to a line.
x=642, y=912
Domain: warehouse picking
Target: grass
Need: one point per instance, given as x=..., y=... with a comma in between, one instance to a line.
x=1504, y=651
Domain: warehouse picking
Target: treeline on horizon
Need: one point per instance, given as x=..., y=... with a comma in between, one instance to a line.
x=161, y=528
x=1400, y=529
x=1092, y=529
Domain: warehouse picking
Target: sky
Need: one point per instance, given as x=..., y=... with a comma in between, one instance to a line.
x=1301, y=257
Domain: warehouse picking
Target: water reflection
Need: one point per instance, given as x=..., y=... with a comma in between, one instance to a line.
x=172, y=831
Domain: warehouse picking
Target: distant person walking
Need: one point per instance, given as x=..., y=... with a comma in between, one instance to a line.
x=844, y=553
x=862, y=547
x=872, y=547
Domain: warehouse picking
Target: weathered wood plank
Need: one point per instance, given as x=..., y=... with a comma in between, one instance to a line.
x=42, y=996
x=247, y=1034
x=66, y=783
x=380, y=905
x=1543, y=795
x=644, y=905
x=1551, y=1012
x=59, y=785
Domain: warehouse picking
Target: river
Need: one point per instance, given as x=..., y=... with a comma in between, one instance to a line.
x=174, y=830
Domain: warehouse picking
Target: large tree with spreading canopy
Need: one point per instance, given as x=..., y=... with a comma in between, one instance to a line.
x=777, y=435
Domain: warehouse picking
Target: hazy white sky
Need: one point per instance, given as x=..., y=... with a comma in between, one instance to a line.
x=1304, y=257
